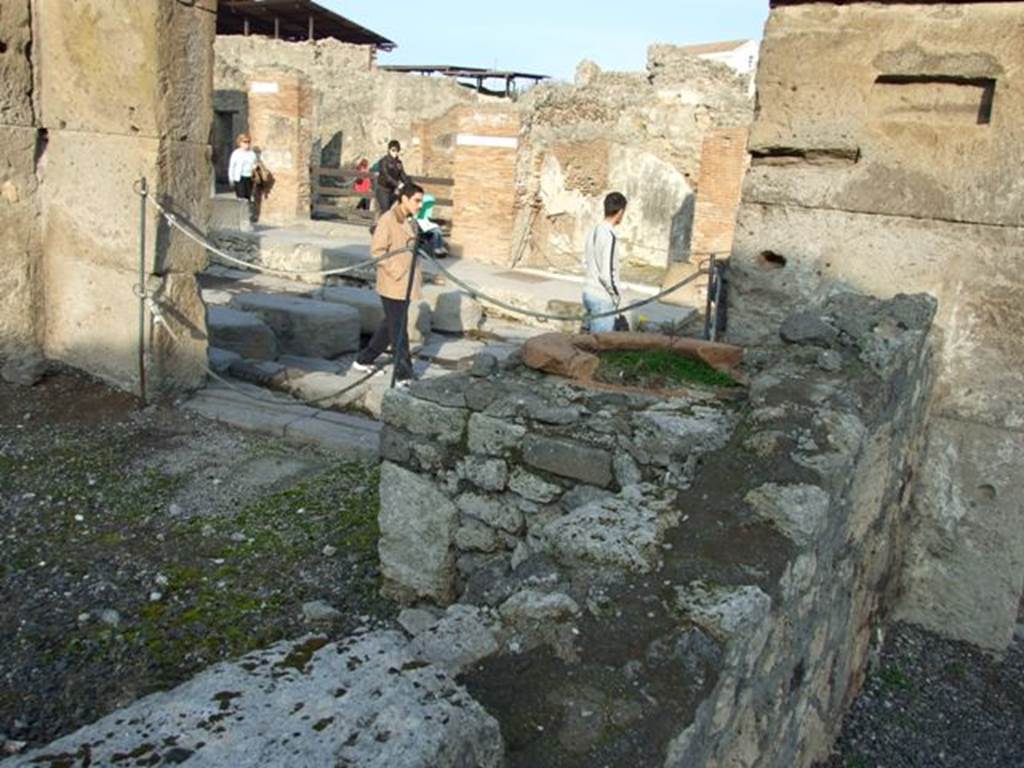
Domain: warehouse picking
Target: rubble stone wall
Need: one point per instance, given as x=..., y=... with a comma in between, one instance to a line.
x=701, y=578
x=885, y=157
x=639, y=133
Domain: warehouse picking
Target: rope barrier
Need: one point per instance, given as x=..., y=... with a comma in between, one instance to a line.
x=172, y=219
x=477, y=294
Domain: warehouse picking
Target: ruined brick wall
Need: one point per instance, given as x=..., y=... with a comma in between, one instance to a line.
x=108, y=92
x=20, y=246
x=886, y=156
x=723, y=163
x=639, y=133
x=358, y=106
x=486, y=148
x=281, y=115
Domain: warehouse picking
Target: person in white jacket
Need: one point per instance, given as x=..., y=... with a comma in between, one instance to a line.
x=242, y=168
x=601, y=265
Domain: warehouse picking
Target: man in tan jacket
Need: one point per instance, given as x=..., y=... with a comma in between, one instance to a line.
x=395, y=230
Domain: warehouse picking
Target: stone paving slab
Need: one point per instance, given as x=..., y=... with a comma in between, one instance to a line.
x=366, y=701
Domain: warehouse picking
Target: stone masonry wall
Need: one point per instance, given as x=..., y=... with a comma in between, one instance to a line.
x=639, y=133
x=366, y=105
x=663, y=580
x=885, y=157
x=20, y=246
x=124, y=91
x=87, y=107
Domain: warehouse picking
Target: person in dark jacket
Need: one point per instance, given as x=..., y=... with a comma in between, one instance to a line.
x=391, y=178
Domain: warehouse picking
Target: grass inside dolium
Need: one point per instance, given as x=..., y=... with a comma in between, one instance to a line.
x=658, y=369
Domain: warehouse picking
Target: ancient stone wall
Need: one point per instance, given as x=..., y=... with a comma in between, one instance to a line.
x=642, y=578
x=886, y=156
x=20, y=246
x=357, y=106
x=124, y=92
x=639, y=133
x=106, y=93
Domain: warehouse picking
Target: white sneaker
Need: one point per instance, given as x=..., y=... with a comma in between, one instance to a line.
x=362, y=367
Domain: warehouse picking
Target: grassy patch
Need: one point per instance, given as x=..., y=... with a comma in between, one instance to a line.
x=658, y=369
x=894, y=677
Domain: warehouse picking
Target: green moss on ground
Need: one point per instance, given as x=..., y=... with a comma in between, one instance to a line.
x=658, y=369
x=235, y=582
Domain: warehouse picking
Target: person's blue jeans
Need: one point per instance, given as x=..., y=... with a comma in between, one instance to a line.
x=595, y=305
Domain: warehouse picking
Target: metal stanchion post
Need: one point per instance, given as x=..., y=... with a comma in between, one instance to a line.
x=143, y=191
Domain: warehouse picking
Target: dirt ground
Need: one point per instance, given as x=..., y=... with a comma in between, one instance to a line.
x=140, y=546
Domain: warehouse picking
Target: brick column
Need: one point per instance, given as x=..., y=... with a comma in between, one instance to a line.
x=486, y=146
x=281, y=125
x=723, y=163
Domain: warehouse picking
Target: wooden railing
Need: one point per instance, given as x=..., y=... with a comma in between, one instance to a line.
x=333, y=196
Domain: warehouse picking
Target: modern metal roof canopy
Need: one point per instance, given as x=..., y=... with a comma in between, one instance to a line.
x=292, y=20
x=478, y=74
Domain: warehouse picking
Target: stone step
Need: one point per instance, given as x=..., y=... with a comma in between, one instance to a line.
x=305, y=326
x=240, y=332
x=260, y=410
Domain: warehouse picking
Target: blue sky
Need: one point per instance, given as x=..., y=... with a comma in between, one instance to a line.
x=548, y=36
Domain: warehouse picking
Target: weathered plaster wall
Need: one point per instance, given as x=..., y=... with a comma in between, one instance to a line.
x=639, y=133
x=20, y=249
x=367, y=106
x=886, y=156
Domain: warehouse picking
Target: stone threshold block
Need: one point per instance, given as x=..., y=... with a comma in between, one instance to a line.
x=305, y=327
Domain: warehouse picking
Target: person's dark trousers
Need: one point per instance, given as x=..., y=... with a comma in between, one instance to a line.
x=385, y=199
x=390, y=331
x=243, y=188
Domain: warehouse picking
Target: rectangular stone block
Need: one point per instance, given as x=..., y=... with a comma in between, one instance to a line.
x=15, y=65
x=304, y=326
x=127, y=67
x=91, y=211
x=418, y=525
x=827, y=134
x=20, y=246
x=363, y=300
x=964, y=572
x=568, y=458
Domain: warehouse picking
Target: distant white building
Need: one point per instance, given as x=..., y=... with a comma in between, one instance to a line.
x=741, y=55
